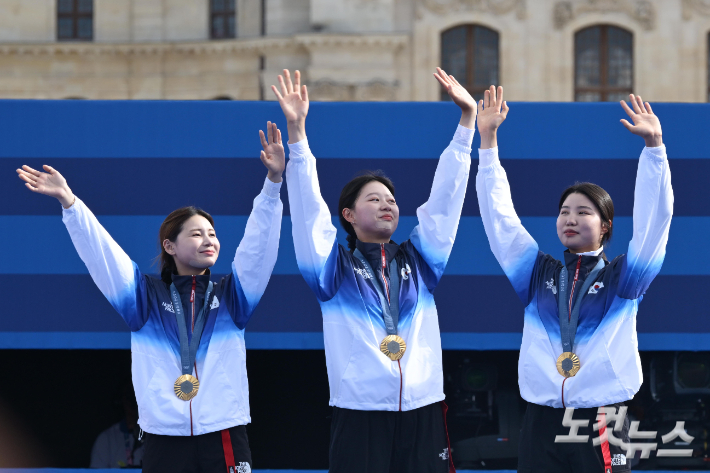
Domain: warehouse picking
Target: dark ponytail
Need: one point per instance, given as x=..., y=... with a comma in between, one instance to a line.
x=349, y=195
x=601, y=200
x=169, y=230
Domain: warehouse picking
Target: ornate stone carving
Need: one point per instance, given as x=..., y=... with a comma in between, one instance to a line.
x=691, y=7
x=497, y=7
x=330, y=91
x=641, y=11
x=376, y=91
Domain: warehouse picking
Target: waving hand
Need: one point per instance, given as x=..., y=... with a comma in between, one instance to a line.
x=50, y=183
x=646, y=123
x=273, y=155
x=293, y=99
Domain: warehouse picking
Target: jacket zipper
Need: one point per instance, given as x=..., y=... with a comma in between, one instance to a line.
x=192, y=303
x=383, y=257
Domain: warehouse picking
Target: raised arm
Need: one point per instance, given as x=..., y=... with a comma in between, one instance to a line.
x=116, y=276
x=256, y=255
x=439, y=217
x=653, y=203
x=512, y=245
x=314, y=236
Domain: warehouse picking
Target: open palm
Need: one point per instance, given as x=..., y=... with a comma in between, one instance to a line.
x=492, y=110
x=273, y=155
x=50, y=183
x=458, y=93
x=293, y=97
x=646, y=123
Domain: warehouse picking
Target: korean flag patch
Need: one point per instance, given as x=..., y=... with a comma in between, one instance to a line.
x=595, y=287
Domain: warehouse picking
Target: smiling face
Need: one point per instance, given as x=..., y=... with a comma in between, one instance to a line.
x=375, y=214
x=196, y=247
x=579, y=225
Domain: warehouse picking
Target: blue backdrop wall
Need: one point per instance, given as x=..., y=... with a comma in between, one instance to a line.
x=134, y=162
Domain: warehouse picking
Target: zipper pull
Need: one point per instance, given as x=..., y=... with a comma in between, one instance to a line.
x=192, y=294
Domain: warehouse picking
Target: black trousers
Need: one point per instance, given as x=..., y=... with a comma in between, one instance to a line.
x=390, y=442
x=538, y=452
x=196, y=454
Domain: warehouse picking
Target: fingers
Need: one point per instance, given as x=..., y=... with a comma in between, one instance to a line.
x=282, y=83
x=639, y=102
x=480, y=106
x=27, y=178
x=29, y=170
x=278, y=136
x=33, y=189
x=276, y=92
x=626, y=108
x=628, y=125
x=289, y=84
x=269, y=133
x=494, y=98
x=297, y=84
x=634, y=104
x=648, y=108
x=455, y=81
x=263, y=158
x=441, y=81
x=304, y=93
x=487, y=98
x=264, y=144
x=504, y=112
x=49, y=169
x=500, y=96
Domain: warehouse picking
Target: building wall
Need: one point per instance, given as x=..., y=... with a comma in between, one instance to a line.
x=346, y=49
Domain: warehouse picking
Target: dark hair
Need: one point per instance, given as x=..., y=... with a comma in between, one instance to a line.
x=601, y=200
x=349, y=195
x=169, y=230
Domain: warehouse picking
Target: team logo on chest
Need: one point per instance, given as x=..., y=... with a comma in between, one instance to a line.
x=551, y=285
x=406, y=271
x=595, y=287
x=362, y=273
x=169, y=307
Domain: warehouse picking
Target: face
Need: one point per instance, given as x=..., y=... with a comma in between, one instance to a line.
x=579, y=225
x=376, y=215
x=196, y=247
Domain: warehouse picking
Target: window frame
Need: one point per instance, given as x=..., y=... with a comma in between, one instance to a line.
x=224, y=15
x=470, y=57
x=603, y=89
x=75, y=15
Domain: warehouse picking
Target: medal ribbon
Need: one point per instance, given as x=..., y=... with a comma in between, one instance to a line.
x=568, y=326
x=188, y=350
x=390, y=305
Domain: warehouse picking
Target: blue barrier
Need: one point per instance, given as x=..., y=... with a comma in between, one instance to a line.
x=161, y=155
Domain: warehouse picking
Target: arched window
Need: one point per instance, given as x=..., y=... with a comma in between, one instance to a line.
x=223, y=19
x=603, y=64
x=75, y=20
x=470, y=54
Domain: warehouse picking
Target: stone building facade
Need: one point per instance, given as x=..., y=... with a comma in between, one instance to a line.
x=348, y=49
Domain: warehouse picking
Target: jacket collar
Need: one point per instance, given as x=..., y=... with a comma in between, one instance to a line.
x=373, y=252
x=589, y=261
x=183, y=284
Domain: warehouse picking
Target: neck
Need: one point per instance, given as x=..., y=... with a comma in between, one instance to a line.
x=585, y=250
x=189, y=270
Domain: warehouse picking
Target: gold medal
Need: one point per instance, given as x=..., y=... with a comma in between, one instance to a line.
x=568, y=364
x=393, y=347
x=186, y=387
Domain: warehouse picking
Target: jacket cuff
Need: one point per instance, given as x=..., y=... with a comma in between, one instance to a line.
x=272, y=189
x=299, y=150
x=658, y=153
x=464, y=136
x=487, y=157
